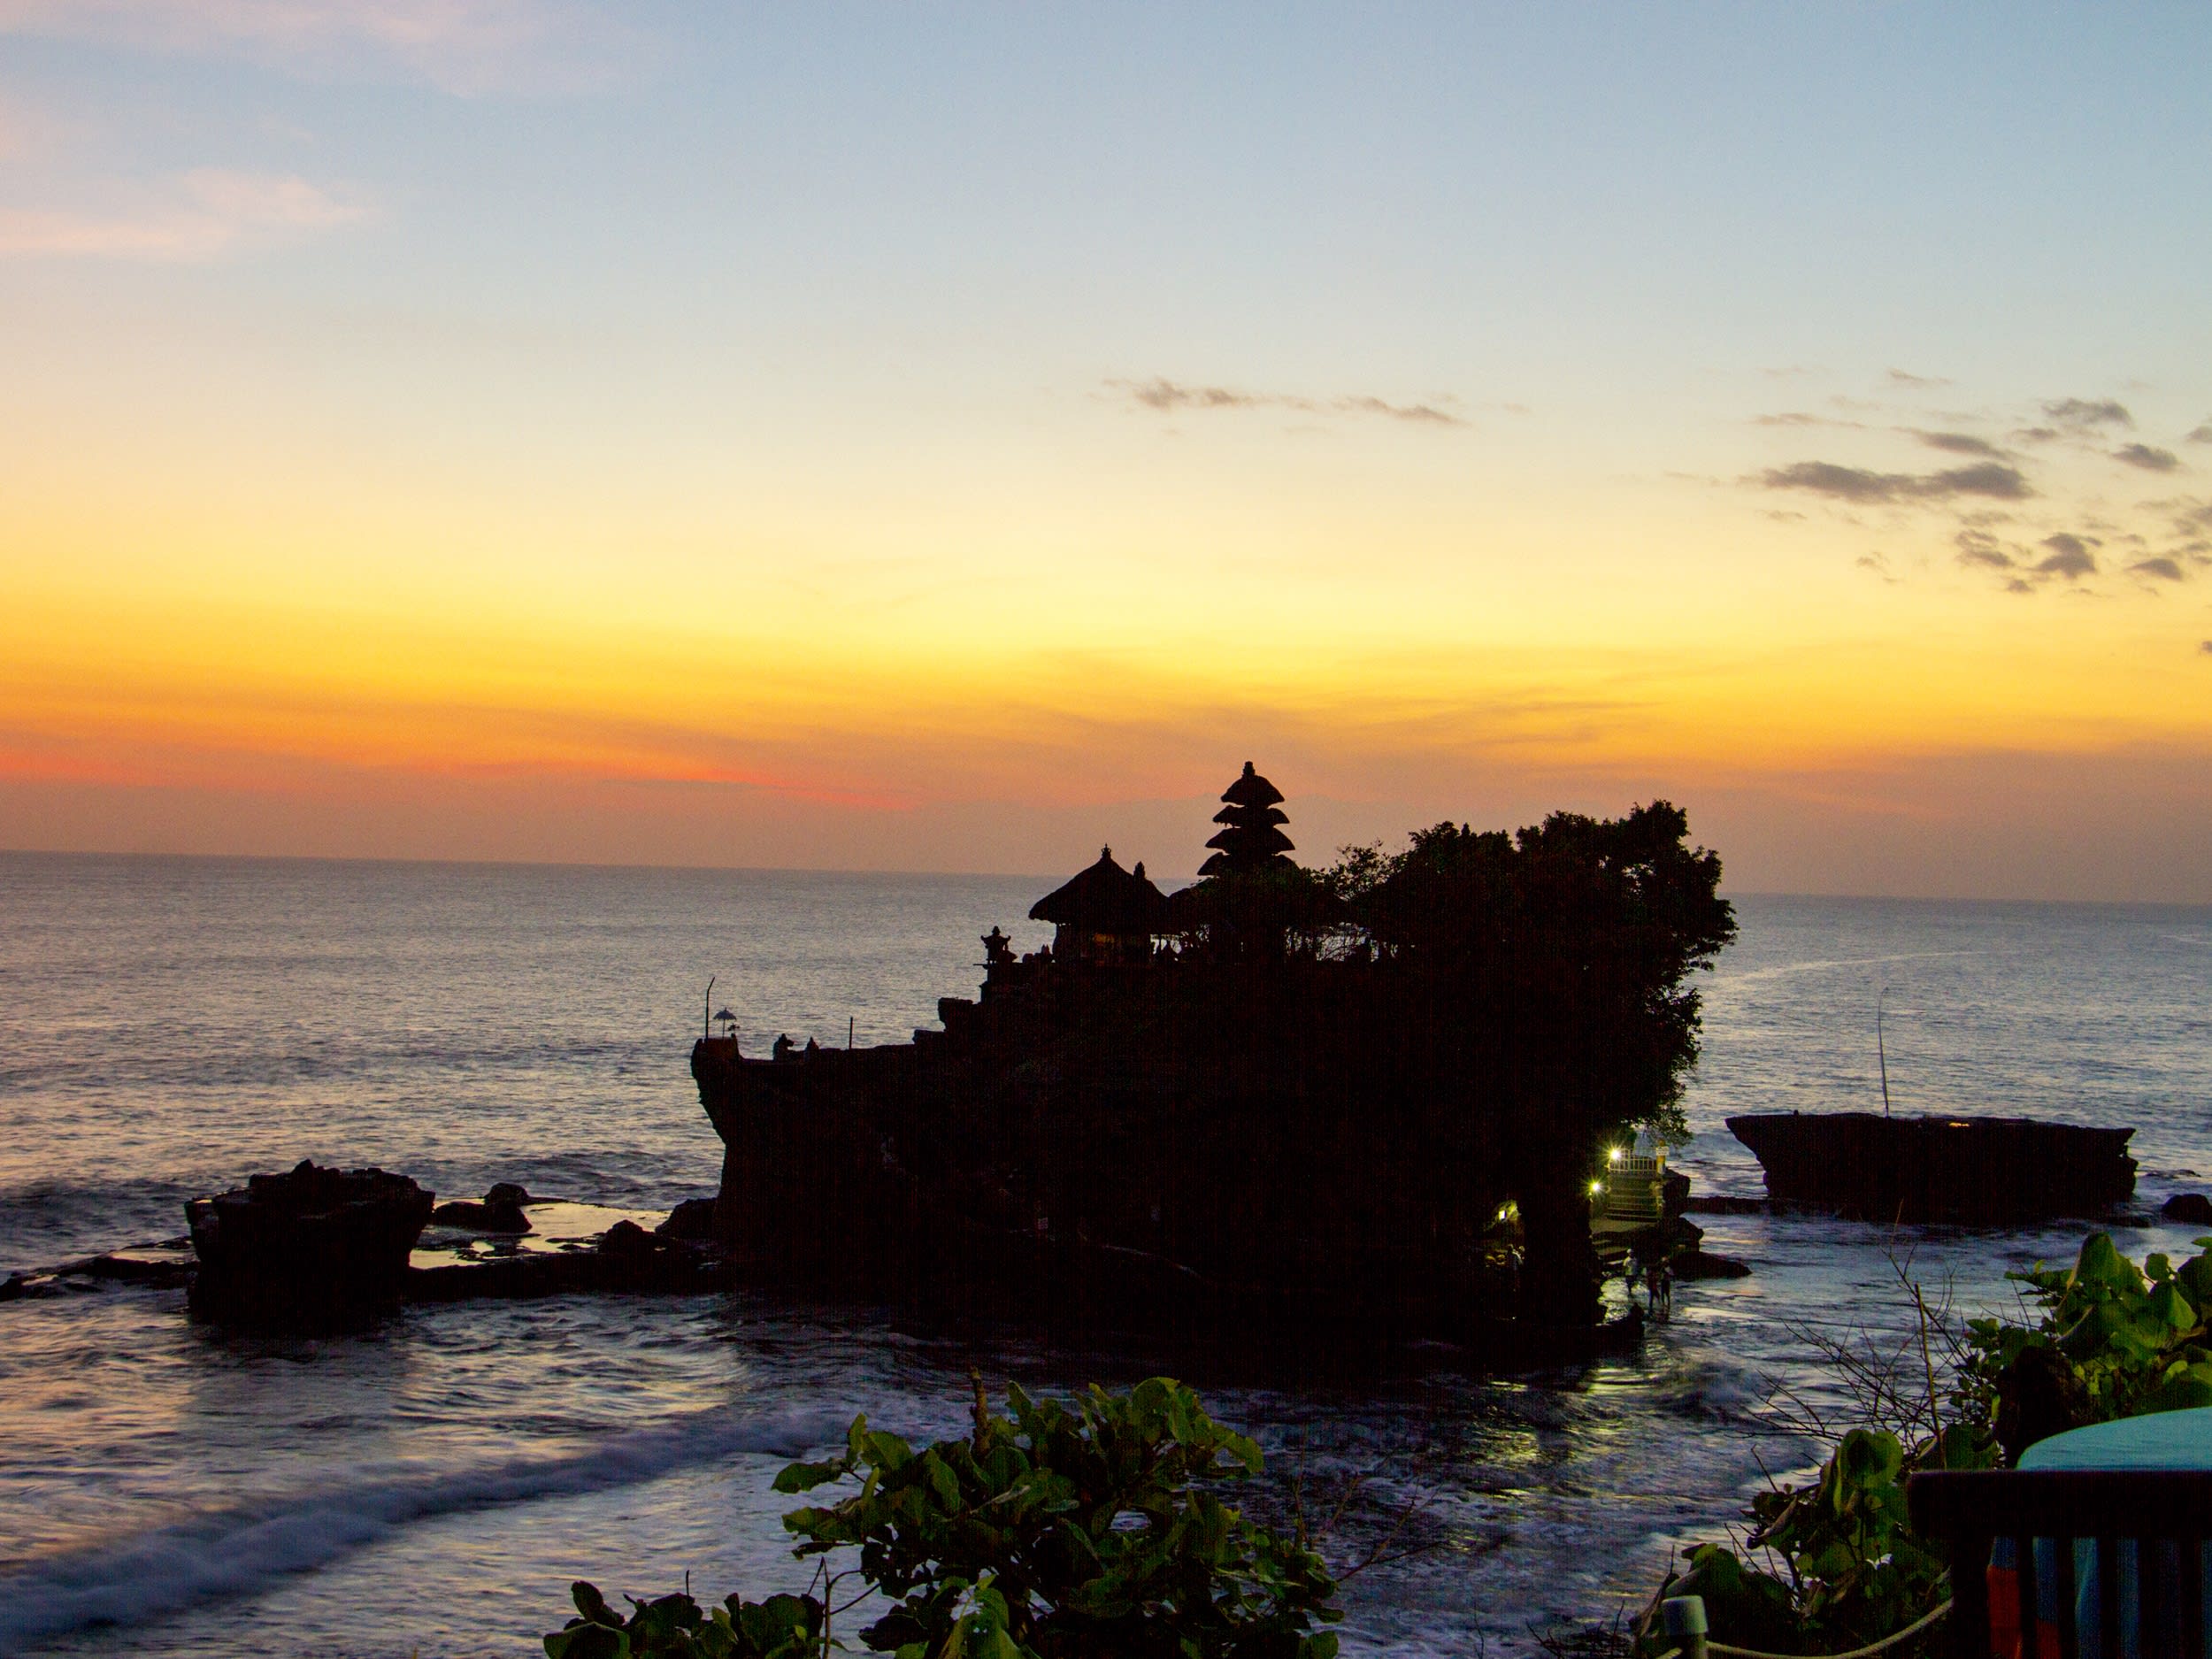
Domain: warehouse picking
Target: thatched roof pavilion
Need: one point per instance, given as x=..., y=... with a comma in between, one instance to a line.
x=1105, y=899
x=1104, y=912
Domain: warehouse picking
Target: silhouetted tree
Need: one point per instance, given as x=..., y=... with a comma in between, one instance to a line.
x=1550, y=974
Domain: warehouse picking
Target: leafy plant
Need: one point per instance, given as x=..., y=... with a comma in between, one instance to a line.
x=1056, y=1532
x=1094, y=1530
x=2113, y=1340
x=673, y=1627
x=2108, y=1340
x=1851, y=1568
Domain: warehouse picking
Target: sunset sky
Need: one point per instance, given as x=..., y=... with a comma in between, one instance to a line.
x=944, y=438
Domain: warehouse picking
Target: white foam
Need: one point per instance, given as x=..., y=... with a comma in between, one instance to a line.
x=236, y=1551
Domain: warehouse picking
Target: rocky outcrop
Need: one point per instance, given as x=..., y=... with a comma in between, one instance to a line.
x=624, y=1260
x=1915, y=1168
x=501, y=1212
x=2194, y=1209
x=312, y=1249
x=1696, y=1264
x=693, y=1219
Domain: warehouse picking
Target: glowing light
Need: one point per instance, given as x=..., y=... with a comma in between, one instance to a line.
x=1596, y=1188
x=1612, y=1155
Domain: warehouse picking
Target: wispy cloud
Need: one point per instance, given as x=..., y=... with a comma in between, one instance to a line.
x=2150, y=460
x=202, y=215
x=1993, y=479
x=2202, y=435
x=2082, y=414
x=1904, y=381
x=1960, y=443
x=464, y=46
x=1170, y=396
x=1801, y=417
x=2165, y=570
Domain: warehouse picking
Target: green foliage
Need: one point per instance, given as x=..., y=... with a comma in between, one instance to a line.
x=1852, y=1569
x=673, y=1627
x=2113, y=1340
x=1094, y=1530
x=1058, y=1534
x=2110, y=1339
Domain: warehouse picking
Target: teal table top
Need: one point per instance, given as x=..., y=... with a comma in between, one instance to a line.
x=2164, y=1439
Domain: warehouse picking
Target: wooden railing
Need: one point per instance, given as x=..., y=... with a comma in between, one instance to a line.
x=2126, y=1547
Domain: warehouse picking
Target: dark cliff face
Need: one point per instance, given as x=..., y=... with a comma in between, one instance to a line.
x=1916, y=1169
x=1285, y=1127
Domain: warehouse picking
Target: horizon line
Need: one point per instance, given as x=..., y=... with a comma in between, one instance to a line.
x=967, y=875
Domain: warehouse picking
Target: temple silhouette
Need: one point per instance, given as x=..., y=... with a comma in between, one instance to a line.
x=1276, y=1103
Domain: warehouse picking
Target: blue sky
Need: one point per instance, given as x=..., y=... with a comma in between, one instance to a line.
x=1357, y=380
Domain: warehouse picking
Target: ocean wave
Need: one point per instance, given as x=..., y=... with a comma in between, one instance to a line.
x=239, y=1550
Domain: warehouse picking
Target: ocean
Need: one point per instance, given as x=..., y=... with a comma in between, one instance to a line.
x=431, y=1487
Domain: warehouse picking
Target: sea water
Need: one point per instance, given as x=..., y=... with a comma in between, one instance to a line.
x=169, y=1025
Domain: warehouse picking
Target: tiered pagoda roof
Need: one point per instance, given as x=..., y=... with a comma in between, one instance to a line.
x=1251, y=838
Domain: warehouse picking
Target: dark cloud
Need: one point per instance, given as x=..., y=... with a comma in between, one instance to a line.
x=2079, y=414
x=1960, y=443
x=2149, y=459
x=1916, y=382
x=1856, y=484
x=1168, y=396
x=2070, y=557
x=2206, y=647
x=1979, y=548
x=2202, y=435
x=2165, y=570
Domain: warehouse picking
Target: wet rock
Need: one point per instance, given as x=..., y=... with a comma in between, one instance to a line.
x=128, y=1269
x=312, y=1249
x=32, y=1287
x=507, y=1277
x=693, y=1219
x=500, y=1211
x=2193, y=1207
x=1705, y=1265
x=626, y=1259
x=635, y=1260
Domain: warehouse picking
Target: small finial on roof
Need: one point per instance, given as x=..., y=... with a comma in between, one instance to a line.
x=1105, y=852
x=1139, y=871
x=1247, y=769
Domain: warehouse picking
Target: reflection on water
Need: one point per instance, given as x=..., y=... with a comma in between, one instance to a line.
x=166, y=1026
